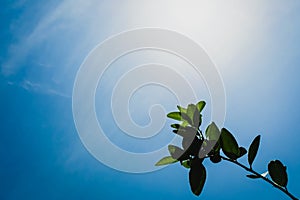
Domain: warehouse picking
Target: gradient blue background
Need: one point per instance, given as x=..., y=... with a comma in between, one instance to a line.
x=255, y=45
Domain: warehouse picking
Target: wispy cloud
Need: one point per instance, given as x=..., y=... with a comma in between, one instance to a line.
x=27, y=85
x=218, y=26
x=38, y=88
x=55, y=92
x=50, y=24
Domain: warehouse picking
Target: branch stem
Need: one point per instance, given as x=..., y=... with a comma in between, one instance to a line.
x=262, y=177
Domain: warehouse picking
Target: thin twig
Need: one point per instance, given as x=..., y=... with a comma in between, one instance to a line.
x=262, y=177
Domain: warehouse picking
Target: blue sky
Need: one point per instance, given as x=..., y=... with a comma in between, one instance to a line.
x=254, y=44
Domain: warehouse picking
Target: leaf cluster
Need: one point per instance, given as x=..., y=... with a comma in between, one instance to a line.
x=198, y=146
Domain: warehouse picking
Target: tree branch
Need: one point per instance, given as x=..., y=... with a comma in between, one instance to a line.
x=262, y=177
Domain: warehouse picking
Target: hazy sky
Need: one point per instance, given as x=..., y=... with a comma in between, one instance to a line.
x=254, y=44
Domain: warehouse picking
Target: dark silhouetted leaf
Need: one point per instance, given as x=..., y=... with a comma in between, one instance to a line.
x=166, y=160
x=253, y=150
x=180, y=132
x=278, y=173
x=215, y=158
x=243, y=151
x=253, y=176
x=176, y=126
x=194, y=147
x=186, y=164
x=197, y=176
x=212, y=132
x=229, y=145
x=200, y=105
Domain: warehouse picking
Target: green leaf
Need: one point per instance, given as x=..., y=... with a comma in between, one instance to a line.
x=166, y=160
x=200, y=105
x=186, y=164
x=177, y=153
x=184, y=124
x=278, y=173
x=209, y=147
x=253, y=150
x=172, y=148
x=197, y=118
x=197, y=176
x=212, y=132
x=191, y=110
x=181, y=109
x=190, y=131
x=229, y=145
x=175, y=115
x=186, y=118
x=186, y=131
